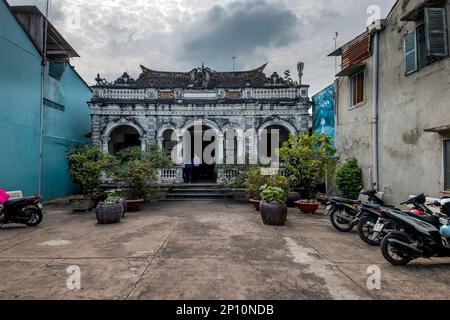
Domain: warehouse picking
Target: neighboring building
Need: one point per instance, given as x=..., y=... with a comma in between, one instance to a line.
x=393, y=110
x=66, y=114
x=323, y=112
x=161, y=107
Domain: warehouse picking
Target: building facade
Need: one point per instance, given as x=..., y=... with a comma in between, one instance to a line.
x=24, y=165
x=393, y=98
x=162, y=107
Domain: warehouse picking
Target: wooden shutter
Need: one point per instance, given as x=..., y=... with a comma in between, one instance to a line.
x=410, y=51
x=436, y=32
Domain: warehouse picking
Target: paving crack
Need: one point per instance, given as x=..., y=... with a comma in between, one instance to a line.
x=180, y=220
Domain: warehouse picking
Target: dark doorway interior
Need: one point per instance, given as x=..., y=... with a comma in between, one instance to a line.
x=123, y=137
x=206, y=172
x=272, y=132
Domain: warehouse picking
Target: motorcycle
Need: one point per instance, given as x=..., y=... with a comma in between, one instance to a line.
x=27, y=211
x=418, y=236
x=372, y=227
x=345, y=213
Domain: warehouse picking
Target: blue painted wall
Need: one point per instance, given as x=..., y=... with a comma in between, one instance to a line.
x=63, y=129
x=20, y=81
x=323, y=112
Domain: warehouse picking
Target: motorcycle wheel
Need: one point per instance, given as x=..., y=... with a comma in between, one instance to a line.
x=339, y=223
x=35, y=216
x=393, y=253
x=365, y=231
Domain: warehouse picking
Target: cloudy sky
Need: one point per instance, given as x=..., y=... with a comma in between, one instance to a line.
x=113, y=36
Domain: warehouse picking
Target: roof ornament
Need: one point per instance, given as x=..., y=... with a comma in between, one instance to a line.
x=300, y=68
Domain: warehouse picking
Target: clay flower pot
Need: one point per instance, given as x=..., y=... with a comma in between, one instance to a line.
x=135, y=205
x=256, y=204
x=308, y=206
x=273, y=214
x=109, y=213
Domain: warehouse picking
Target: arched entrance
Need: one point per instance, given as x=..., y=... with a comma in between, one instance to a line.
x=201, y=141
x=123, y=137
x=267, y=145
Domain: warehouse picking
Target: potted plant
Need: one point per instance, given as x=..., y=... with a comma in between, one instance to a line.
x=273, y=207
x=136, y=170
x=254, y=180
x=111, y=210
x=308, y=160
x=86, y=165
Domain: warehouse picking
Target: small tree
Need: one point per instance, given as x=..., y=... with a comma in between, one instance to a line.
x=86, y=165
x=308, y=159
x=348, y=179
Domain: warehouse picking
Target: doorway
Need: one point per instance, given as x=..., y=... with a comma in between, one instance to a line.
x=201, y=141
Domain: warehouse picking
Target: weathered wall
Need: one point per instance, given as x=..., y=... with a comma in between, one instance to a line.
x=411, y=160
x=354, y=125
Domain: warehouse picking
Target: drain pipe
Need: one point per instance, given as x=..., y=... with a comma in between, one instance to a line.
x=376, y=49
x=42, y=107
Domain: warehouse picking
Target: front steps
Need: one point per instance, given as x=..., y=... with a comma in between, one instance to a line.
x=196, y=192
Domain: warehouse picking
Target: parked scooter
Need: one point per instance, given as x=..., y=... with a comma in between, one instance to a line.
x=418, y=236
x=345, y=213
x=27, y=211
x=372, y=228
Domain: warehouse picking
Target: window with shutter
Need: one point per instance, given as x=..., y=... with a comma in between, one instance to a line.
x=436, y=32
x=410, y=51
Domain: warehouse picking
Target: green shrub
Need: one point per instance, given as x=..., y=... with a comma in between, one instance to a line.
x=254, y=180
x=348, y=179
x=86, y=165
x=308, y=159
x=273, y=194
x=137, y=174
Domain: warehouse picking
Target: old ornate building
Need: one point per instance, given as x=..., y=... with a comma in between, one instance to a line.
x=161, y=107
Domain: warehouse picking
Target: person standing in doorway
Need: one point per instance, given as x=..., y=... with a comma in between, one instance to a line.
x=187, y=171
x=196, y=162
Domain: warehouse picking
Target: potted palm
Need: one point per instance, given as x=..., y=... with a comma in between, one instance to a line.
x=273, y=207
x=308, y=160
x=86, y=165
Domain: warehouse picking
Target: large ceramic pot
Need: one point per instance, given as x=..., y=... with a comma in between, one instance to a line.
x=308, y=206
x=109, y=213
x=293, y=197
x=256, y=203
x=134, y=205
x=273, y=214
x=82, y=204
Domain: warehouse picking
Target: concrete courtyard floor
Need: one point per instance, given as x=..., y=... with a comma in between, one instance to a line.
x=202, y=250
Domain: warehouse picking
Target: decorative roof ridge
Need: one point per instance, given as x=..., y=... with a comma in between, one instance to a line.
x=260, y=69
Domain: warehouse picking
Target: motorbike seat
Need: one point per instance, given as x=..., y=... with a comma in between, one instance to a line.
x=429, y=219
x=16, y=202
x=343, y=200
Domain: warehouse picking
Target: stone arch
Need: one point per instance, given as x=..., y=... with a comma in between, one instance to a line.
x=110, y=128
x=163, y=140
x=277, y=122
x=205, y=122
x=266, y=148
